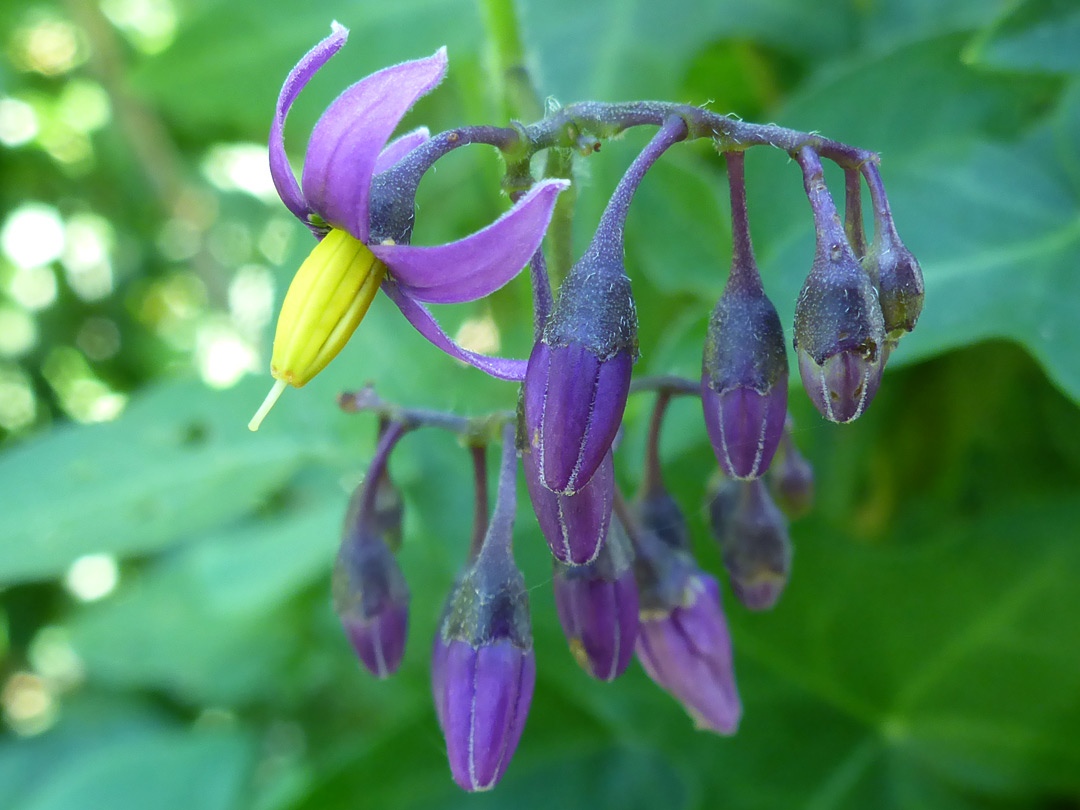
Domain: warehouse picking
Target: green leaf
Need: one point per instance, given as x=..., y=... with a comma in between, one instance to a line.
x=1034, y=35
x=170, y=770
x=179, y=462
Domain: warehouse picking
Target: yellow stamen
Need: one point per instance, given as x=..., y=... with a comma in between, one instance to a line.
x=268, y=403
x=326, y=301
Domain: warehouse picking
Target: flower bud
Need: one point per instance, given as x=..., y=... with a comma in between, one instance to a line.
x=483, y=664
x=598, y=607
x=792, y=480
x=683, y=640
x=744, y=379
x=372, y=600
x=686, y=649
x=573, y=525
x=327, y=299
x=839, y=328
x=754, y=543
x=660, y=514
x=898, y=278
x=578, y=375
x=839, y=335
x=744, y=367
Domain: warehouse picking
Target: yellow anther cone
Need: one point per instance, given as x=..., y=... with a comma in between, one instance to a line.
x=327, y=299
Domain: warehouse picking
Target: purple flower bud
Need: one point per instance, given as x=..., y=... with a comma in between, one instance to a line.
x=579, y=371
x=683, y=640
x=482, y=697
x=661, y=515
x=573, y=525
x=483, y=664
x=372, y=600
x=686, y=649
x=839, y=335
x=579, y=375
x=744, y=369
x=598, y=607
x=893, y=268
x=792, y=480
x=754, y=542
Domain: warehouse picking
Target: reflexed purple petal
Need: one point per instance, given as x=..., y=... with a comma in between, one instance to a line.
x=347, y=139
x=380, y=642
x=478, y=264
x=284, y=181
x=745, y=427
x=417, y=314
x=573, y=525
x=400, y=147
x=573, y=408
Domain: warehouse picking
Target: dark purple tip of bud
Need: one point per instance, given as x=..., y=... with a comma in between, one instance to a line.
x=574, y=402
x=843, y=385
x=482, y=696
x=754, y=543
x=660, y=514
x=687, y=651
x=372, y=600
x=598, y=608
x=792, y=480
x=573, y=525
x=744, y=376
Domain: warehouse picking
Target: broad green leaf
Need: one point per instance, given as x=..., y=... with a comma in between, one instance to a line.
x=180, y=461
x=173, y=770
x=1036, y=35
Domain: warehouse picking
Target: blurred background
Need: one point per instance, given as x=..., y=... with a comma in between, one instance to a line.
x=166, y=634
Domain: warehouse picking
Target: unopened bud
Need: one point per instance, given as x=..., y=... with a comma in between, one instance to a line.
x=754, y=543
x=573, y=525
x=598, y=607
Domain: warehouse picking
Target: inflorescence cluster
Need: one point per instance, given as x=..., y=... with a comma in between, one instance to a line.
x=624, y=577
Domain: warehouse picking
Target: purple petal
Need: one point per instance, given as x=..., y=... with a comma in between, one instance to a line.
x=417, y=314
x=573, y=525
x=574, y=405
x=479, y=264
x=745, y=426
x=439, y=653
x=498, y=676
x=521, y=711
x=280, y=170
x=400, y=147
x=380, y=642
x=346, y=142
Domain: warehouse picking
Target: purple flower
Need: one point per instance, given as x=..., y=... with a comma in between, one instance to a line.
x=598, y=607
x=333, y=289
x=686, y=650
x=573, y=525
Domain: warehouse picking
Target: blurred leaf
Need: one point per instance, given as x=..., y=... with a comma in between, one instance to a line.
x=179, y=462
x=166, y=770
x=1037, y=35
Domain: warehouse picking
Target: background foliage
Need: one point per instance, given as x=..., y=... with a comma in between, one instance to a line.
x=166, y=638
